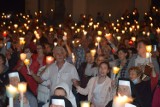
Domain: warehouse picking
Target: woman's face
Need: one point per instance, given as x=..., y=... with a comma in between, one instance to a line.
x=103, y=70
x=133, y=75
x=89, y=58
x=122, y=55
x=99, y=60
x=141, y=48
x=14, y=81
x=28, y=53
x=60, y=92
x=39, y=49
x=124, y=90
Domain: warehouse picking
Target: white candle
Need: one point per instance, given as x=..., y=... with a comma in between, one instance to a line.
x=98, y=40
x=149, y=48
x=11, y=92
x=93, y=52
x=73, y=58
x=85, y=104
x=22, y=88
x=27, y=62
x=21, y=41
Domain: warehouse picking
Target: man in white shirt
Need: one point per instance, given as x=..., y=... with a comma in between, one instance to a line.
x=61, y=70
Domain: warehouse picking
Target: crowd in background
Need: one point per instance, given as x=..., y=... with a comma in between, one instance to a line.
x=84, y=54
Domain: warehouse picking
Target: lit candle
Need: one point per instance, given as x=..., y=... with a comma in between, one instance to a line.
x=120, y=101
x=51, y=29
x=55, y=43
x=118, y=38
x=49, y=59
x=15, y=26
x=4, y=33
x=23, y=56
x=11, y=92
x=158, y=30
x=73, y=58
x=85, y=32
x=133, y=39
x=85, y=104
x=21, y=41
x=149, y=48
x=115, y=71
x=98, y=40
x=99, y=33
x=93, y=52
x=22, y=88
x=27, y=62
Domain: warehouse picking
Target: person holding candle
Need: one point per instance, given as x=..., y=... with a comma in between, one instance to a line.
x=121, y=62
x=28, y=98
x=125, y=88
x=86, y=71
x=98, y=89
x=33, y=66
x=140, y=58
x=144, y=89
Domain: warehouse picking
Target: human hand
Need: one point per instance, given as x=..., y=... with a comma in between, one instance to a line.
x=55, y=105
x=75, y=83
x=25, y=100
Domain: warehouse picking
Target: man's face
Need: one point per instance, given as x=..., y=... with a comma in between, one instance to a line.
x=59, y=55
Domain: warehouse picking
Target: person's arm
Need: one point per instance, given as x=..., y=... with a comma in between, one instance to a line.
x=36, y=78
x=68, y=48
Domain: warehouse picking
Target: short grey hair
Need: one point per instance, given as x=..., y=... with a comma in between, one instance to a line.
x=59, y=48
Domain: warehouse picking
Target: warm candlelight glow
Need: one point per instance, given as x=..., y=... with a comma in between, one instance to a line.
x=99, y=33
x=15, y=26
x=158, y=30
x=26, y=62
x=98, y=39
x=49, y=59
x=93, y=52
x=133, y=39
x=22, y=87
x=51, y=29
x=55, y=43
x=118, y=38
x=149, y=48
x=116, y=70
x=23, y=56
x=11, y=90
x=147, y=54
x=85, y=104
x=120, y=101
x=21, y=41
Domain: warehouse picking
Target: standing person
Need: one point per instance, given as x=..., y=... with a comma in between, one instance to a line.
x=140, y=59
x=144, y=89
x=61, y=70
x=99, y=89
x=33, y=66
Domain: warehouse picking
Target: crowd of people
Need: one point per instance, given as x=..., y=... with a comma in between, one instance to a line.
x=83, y=57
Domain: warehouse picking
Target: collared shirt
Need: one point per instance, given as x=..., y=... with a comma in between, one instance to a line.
x=56, y=76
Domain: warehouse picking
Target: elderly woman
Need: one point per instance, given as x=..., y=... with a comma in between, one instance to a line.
x=29, y=99
x=99, y=88
x=144, y=88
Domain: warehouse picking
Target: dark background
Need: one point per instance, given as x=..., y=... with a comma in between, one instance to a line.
x=12, y=6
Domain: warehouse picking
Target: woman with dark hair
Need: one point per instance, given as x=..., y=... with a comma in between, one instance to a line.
x=121, y=62
x=126, y=88
x=33, y=67
x=98, y=89
x=3, y=70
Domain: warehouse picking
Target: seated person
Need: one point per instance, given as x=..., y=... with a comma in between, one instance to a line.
x=29, y=99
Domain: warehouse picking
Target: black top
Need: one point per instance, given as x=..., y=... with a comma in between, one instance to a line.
x=143, y=90
x=4, y=76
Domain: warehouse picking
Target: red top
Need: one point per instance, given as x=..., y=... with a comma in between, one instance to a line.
x=154, y=82
x=30, y=81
